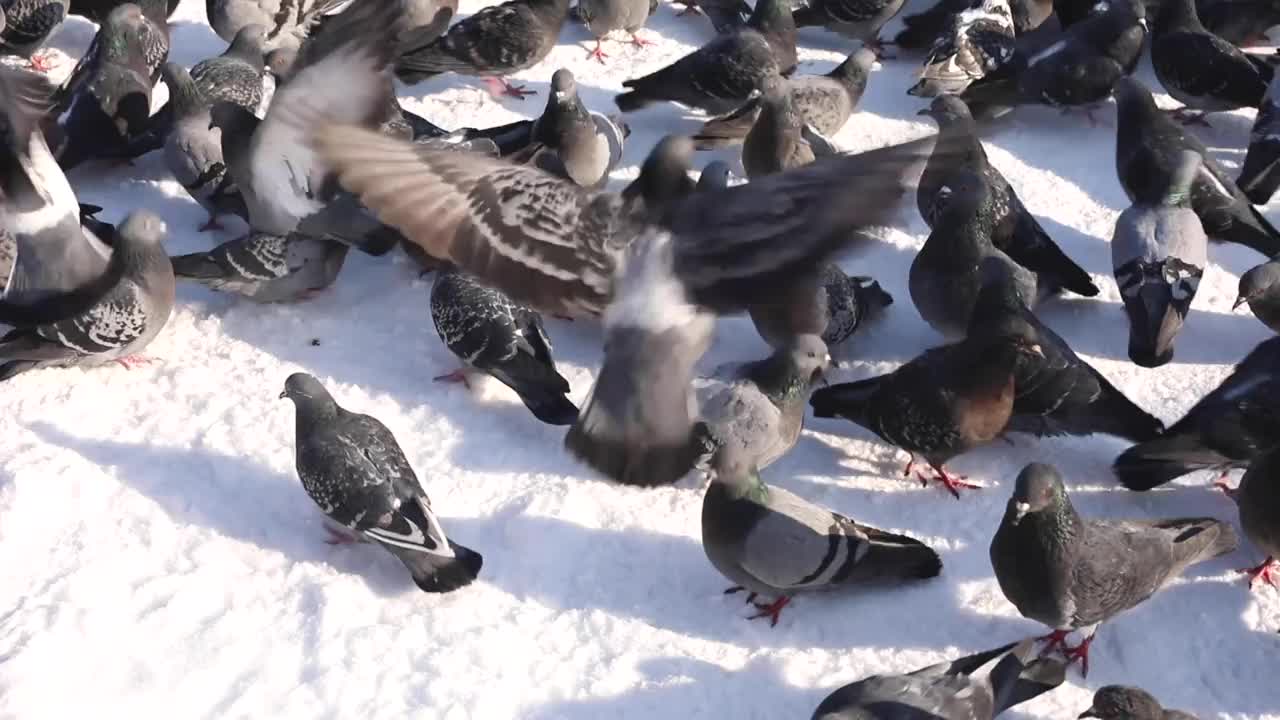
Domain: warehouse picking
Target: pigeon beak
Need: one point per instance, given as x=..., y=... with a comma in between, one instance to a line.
x=284, y=394
x=1239, y=301
x=925, y=111
x=1036, y=350
x=561, y=95
x=1089, y=713
x=1019, y=511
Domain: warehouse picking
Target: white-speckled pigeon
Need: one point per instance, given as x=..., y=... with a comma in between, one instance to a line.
x=264, y=267
x=977, y=42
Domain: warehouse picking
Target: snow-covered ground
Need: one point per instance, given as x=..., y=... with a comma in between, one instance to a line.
x=160, y=559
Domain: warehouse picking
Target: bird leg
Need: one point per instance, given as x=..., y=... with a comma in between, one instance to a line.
x=131, y=361
x=771, y=610
x=911, y=465
x=641, y=42
x=1188, y=116
x=597, y=53
x=751, y=597
x=1221, y=484
x=40, y=62
x=1053, y=641
x=1079, y=652
x=457, y=376
x=1267, y=572
x=499, y=87
x=210, y=224
x=953, y=483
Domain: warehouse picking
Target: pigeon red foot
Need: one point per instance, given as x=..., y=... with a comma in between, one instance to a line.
x=499, y=87
x=641, y=42
x=1268, y=572
x=771, y=610
x=131, y=361
x=1079, y=652
x=953, y=483
x=597, y=53
x=457, y=376
x=40, y=62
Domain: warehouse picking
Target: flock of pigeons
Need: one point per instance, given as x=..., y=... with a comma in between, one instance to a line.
x=296, y=129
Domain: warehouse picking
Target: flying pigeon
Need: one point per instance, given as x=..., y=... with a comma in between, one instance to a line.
x=1226, y=429
x=1073, y=573
x=776, y=141
x=857, y=19
x=112, y=319
x=491, y=334
x=721, y=75
x=605, y=16
x=1116, y=702
x=25, y=26
x=941, y=404
x=264, y=267
x=1148, y=150
x=1201, y=70
x=1159, y=252
x=286, y=22
x=1258, y=498
x=823, y=102
x=495, y=41
x=1260, y=287
x=352, y=467
x=1260, y=174
x=948, y=690
x=770, y=542
x=977, y=41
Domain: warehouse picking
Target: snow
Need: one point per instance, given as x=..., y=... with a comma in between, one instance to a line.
x=161, y=559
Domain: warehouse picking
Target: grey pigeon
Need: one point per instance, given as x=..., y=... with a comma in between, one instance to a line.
x=264, y=267
x=721, y=75
x=1260, y=287
x=1201, y=70
x=1227, y=429
x=1259, y=500
x=1016, y=232
x=495, y=41
x=771, y=542
x=1159, y=252
x=193, y=150
x=112, y=320
x=977, y=42
x=823, y=102
x=352, y=467
x=1148, y=150
x=285, y=186
x=1057, y=393
x=1073, y=573
x=775, y=142
x=947, y=401
x=44, y=251
x=1260, y=174
x=857, y=19
x=757, y=408
x=946, y=275
x=714, y=176
x=1116, y=702
x=286, y=22
x=605, y=16
x=586, y=145
x=664, y=179
x=842, y=306
x=490, y=333
x=949, y=690
x=25, y=26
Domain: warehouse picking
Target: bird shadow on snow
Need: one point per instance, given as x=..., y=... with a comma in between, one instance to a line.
x=239, y=500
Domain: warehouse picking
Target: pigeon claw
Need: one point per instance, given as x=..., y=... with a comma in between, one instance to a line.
x=499, y=87
x=1221, y=484
x=641, y=42
x=953, y=483
x=751, y=597
x=129, y=362
x=598, y=54
x=1268, y=572
x=1079, y=652
x=338, y=538
x=1053, y=641
x=771, y=610
x=457, y=376
x=40, y=62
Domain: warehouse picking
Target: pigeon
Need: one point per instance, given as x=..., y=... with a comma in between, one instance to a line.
x=1201, y=70
x=237, y=74
x=1260, y=174
x=495, y=41
x=757, y=408
x=921, y=30
x=286, y=22
x=725, y=15
x=941, y=404
x=1016, y=231
x=721, y=75
x=1260, y=287
x=775, y=143
x=44, y=250
x=946, y=275
x=948, y=691
x=1116, y=702
x=342, y=74
x=1258, y=498
x=823, y=102
x=857, y=19
x=976, y=42
x=604, y=16
x=352, y=467
x=264, y=267
x=1059, y=393
x=844, y=305
x=98, y=10
x=771, y=542
x=1226, y=429
x=1240, y=22
x=1148, y=150
x=25, y=26
x=112, y=319
x=490, y=333
x=1073, y=573
x=1159, y=252
x=663, y=180
x=715, y=176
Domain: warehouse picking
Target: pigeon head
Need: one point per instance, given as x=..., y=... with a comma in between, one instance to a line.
x=809, y=357
x=1258, y=282
x=563, y=86
x=772, y=16
x=1157, y=297
x=118, y=30
x=183, y=92
x=948, y=109
x=665, y=173
x=714, y=176
x=1116, y=702
x=306, y=392
x=230, y=116
x=142, y=229
x=249, y=43
x=1000, y=305
x=1038, y=488
x=857, y=65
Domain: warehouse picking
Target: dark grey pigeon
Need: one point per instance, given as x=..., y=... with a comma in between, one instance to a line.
x=352, y=467
x=715, y=176
x=664, y=178
x=757, y=408
x=491, y=334
x=949, y=690
x=775, y=142
x=857, y=19
x=44, y=250
x=1240, y=22
x=1201, y=70
x=1016, y=232
x=1260, y=174
x=977, y=42
x=842, y=306
x=25, y=26
x=770, y=542
x=721, y=75
x=495, y=41
x=1148, y=150
x=1073, y=573
x=193, y=150
x=1259, y=500
x=1260, y=287
x=1058, y=393
x=605, y=16
x=1226, y=429
x=286, y=22
x=111, y=320
x=1159, y=252
x=264, y=267
x=1116, y=702
x=947, y=401
x=823, y=102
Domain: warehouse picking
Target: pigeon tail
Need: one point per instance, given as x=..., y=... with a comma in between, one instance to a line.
x=633, y=99
x=435, y=574
x=1022, y=675
x=1156, y=462
x=1260, y=175
x=1115, y=414
x=893, y=557
x=199, y=266
x=547, y=404
x=648, y=466
x=1252, y=230
x=845, y=400
x=1200, y=539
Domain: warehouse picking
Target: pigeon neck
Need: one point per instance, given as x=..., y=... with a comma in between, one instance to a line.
x=247, y=48
x=1178, y=15
x=745, y=485
x=852, y=73
x=556, y=10
x=998, y=309
x=312, y=411
x=772, y=18
x=183, y=93
x=1178, y=193
x=778, y=378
